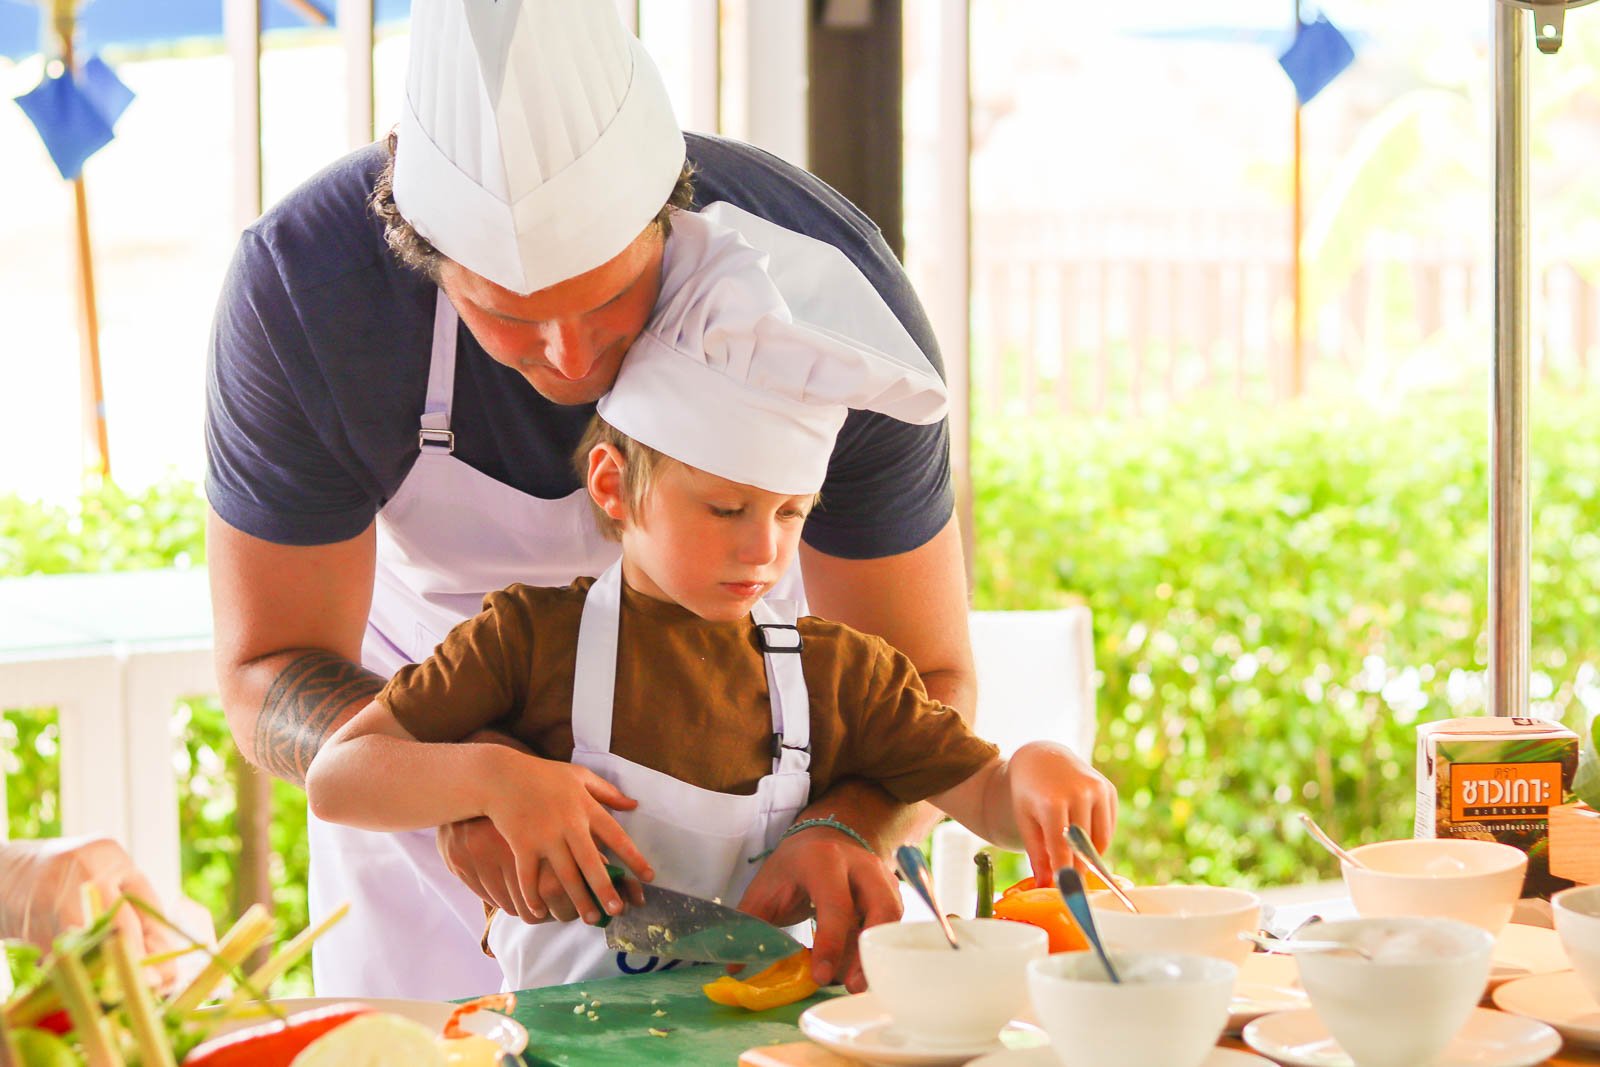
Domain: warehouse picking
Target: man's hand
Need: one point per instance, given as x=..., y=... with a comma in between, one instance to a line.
x=41, y=894
x=824, y=872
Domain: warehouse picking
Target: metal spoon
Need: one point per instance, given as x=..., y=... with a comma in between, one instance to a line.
x=1290, y=947
x=1086, y=849
x=1327, y=842
x=1070, y=885
x=914, y=866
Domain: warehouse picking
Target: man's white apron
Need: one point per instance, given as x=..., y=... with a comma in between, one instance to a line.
x=450, y=535
x=699, y=841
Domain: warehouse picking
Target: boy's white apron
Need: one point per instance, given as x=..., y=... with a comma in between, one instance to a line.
x=450, y=535
x=699, y=841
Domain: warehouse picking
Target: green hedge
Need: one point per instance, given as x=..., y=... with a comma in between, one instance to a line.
x=1279, y=598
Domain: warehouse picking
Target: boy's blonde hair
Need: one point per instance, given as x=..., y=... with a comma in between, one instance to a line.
x=640, y=465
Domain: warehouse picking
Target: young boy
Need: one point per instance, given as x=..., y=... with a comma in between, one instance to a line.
x=729, y=712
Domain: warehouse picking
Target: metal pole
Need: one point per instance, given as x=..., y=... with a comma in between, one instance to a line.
x=1508, y=413
x=1297, y=356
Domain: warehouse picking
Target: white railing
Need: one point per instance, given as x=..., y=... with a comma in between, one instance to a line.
x=112, y=653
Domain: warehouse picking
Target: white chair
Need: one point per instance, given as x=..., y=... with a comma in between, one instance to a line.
x=1035, y=682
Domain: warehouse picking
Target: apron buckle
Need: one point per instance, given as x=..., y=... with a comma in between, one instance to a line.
x=436, y=439
x=779, y=637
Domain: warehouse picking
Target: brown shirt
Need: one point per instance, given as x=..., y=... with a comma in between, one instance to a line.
x=691, y=696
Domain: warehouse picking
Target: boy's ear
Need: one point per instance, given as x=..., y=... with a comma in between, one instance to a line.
x=605, y=481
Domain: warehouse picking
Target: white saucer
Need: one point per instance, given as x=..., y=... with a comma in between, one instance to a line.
x=859, y=1027
x=1044, y=1057
x=1558, y=999
x=1522, y=950
x=501, y=1029
x=1267, y=983
x=1490, y=1039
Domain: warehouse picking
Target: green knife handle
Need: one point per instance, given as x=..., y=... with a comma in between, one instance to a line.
x=617, y=876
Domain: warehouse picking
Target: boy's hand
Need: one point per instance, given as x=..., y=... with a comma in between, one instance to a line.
x=1052, y=788
x=553, y=816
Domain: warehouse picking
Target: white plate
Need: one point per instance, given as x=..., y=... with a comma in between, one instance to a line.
x=501, y=1029
x=858, y=1026
x=1522, y=950
x=1044, y=1057
x=1267, y=983
x=1558, y=999
x=1490, y=1039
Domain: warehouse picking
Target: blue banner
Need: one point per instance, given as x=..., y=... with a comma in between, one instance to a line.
x=1319, y=54
x=75, y=113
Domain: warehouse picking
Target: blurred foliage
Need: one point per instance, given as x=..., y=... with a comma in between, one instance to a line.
x=110, y=529
x=1278, y=600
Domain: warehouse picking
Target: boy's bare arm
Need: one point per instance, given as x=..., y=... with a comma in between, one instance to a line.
x=373, y=775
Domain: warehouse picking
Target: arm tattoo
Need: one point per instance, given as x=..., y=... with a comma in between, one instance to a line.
x=304, y=704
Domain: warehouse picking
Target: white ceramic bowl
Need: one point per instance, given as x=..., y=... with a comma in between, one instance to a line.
x=1401, y=1008
x=1577, y=914
x=1477, y=882
x=946, y=996
x=1203, y=919
x=1168, y=1012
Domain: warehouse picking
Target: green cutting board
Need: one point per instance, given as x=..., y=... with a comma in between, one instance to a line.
x=698, y=1032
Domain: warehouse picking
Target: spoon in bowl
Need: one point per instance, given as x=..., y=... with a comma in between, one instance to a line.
x=1070, y=885
x=1292, y=946
x=914, y=866
x=1322, y=838
x=1080, y=841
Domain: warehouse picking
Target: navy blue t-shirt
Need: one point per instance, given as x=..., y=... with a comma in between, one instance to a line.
x=319, y=365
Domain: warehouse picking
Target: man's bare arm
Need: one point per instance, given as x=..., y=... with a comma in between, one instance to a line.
x=314, y=694
x=288, y=623
x=917, y=601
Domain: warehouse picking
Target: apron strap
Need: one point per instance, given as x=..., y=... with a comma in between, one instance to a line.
x=594, y=679
x=786, y=685
x=435, y=434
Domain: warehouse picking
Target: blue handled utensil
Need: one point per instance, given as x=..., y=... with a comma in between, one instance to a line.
x=1070, y=886
x=914, y=866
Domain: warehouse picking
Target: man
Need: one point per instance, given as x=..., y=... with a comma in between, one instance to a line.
x=375, y=467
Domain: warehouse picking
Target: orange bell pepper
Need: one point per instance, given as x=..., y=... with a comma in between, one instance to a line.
x=784, y=982
x=1045, y=909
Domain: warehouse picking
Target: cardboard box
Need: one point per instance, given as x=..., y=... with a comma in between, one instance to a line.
x=1496, y=779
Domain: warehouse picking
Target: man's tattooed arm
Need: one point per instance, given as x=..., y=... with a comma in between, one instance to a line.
x=314, y=694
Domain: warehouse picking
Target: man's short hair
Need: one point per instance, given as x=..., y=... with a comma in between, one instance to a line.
x=640, y=466
x=418, y=253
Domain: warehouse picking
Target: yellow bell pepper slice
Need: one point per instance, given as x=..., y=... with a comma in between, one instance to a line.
x=784, y=982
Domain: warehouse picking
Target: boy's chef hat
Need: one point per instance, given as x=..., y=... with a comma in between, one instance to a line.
x=536, y=140
x=736, y=373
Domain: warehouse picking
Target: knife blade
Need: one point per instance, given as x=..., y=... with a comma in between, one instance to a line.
x=672, y=925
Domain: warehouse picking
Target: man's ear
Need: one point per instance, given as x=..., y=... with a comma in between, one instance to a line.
x=605, y=480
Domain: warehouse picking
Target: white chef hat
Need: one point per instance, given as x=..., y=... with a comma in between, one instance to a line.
x=536, y=141
x=761, y=342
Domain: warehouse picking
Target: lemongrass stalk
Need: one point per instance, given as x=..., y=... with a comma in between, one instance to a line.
x=251, y=929
x=88, y=1022
x=149, y=1035
x=10, y=1055
x=286, y=957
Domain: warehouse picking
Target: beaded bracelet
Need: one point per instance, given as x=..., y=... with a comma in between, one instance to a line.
x=807, y=824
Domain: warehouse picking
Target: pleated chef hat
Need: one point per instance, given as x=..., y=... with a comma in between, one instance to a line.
x=536, y=140
x=736, y=372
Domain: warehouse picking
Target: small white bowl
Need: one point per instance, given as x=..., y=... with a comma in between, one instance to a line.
x=1168, y=1011
x=1577, y=915
x=952, y=997
x=1401, y=1007
x=1203, y=919
x=1477, y=882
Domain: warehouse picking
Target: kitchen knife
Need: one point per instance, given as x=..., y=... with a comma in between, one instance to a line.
x=675, y=925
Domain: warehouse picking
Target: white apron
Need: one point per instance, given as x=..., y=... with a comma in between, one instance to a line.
x=450, y=535
x=699, y=841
